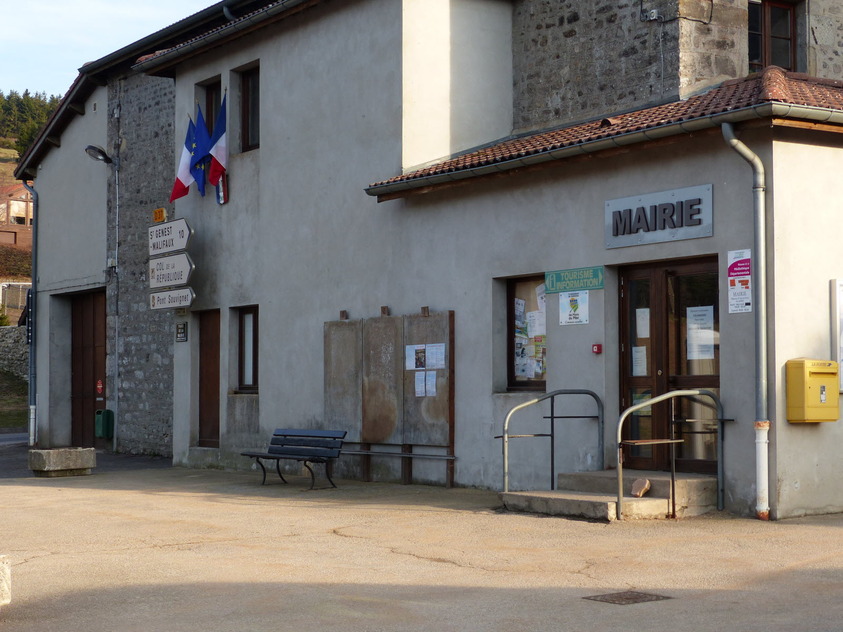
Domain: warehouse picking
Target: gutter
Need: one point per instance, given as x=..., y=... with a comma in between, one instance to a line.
x=759, y=274
x=166, y=59
x=33, y=302
x=394, y=190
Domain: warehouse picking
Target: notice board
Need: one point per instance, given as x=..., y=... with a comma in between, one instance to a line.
x=390, y=379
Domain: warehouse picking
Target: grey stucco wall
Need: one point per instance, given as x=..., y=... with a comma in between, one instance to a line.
x=143, y=131
x=301, y=240
x=14, y=352
x=72, y=257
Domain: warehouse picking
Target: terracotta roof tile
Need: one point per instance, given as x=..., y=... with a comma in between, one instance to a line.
x=771, y=85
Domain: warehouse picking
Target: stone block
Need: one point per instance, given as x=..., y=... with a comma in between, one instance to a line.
x=62, y=461
x=5, y=581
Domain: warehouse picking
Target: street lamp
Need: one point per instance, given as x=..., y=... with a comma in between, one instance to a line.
x=98, y=153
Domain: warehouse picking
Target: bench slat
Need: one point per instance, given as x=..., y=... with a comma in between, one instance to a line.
x=323, y=434
x=306, y=441
x=304, y=452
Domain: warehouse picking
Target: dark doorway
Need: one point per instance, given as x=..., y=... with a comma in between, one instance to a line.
x=87, y=381
x=209, y=379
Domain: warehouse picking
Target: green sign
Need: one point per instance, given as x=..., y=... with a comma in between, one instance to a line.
x=574, y=280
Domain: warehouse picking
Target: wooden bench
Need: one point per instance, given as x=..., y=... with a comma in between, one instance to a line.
x=306, y=446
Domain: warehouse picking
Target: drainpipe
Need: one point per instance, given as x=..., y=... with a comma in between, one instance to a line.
x=759, y=274
x=33, y=302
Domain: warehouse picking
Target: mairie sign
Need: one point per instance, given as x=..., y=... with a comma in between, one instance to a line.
x=574, y=280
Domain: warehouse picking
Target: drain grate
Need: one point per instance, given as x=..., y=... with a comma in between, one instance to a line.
x=627, y=598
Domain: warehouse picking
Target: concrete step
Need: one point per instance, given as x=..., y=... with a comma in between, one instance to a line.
x=593, y=495
x=587, y=505
x=701, y=487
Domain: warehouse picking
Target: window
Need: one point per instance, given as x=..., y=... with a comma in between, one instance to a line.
x=250, y=109
x=527, y=342
x=772, y=41
x=213, y=100
x=247, y=374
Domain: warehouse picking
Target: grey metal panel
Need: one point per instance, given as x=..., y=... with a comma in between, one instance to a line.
x=382, y=369
x=343, y=378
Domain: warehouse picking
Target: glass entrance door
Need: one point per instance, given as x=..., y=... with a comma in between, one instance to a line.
x=670, y=340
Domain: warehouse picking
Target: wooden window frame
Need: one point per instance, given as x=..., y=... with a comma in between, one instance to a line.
x=250, y=109
x=766, y=37
x=213, y=102
x=513, y=384
x=243, y=384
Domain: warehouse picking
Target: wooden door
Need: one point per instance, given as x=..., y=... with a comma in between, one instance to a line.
x=670, y=341
x=87, y=357
x=209, y=379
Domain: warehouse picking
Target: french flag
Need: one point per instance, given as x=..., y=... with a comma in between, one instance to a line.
x=184, y=177
x=219, y=148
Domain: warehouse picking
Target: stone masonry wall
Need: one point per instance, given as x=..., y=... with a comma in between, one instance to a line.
x=822, y=33
x=14, y=352
x=144, y=132
x=713, y=42
x=575, y=60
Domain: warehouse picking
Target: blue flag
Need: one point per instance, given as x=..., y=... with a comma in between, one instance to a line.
x=200, y=156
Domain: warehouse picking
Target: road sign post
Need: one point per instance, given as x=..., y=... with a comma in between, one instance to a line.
x=172, y=299
x=173, y=270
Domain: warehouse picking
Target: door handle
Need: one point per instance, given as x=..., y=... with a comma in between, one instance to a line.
x=659, y=372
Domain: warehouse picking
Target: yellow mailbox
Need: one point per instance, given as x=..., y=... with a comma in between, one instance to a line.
x=812, y=391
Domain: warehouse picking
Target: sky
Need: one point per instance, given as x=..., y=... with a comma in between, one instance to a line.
x=44, y=42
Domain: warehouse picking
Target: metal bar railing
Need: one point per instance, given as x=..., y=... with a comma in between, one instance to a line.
x=553, y=417
x=656, y=400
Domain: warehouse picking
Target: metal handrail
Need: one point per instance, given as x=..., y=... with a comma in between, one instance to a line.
x=656, y=400
x=553, y=417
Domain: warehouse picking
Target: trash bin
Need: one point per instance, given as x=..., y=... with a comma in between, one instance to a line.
x=104, y=424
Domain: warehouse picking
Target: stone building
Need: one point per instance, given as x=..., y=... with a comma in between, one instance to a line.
x=436, y=211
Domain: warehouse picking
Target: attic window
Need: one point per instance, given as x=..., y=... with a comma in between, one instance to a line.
x=772, y=29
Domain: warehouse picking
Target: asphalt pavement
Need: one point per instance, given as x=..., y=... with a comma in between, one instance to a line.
x=140, y=545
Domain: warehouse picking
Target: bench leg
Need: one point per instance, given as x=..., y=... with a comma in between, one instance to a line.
x=329, y=469
x=312, y=475
x=278, y=469
x=263, y=469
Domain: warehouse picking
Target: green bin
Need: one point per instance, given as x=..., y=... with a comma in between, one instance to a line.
x=104, y=424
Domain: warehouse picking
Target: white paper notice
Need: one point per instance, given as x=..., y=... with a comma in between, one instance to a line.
x=700, y=325
x=520, y=305
x=536, y=324
x=430, y=383
x=540, y=297
x=420, y=384
x=435, y=356
x=573, y=308
x=642, y=322
x=639, y=361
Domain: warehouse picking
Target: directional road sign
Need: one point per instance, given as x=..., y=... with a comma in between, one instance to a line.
x=170, y=271
x=172, y=299
x=168, y=237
